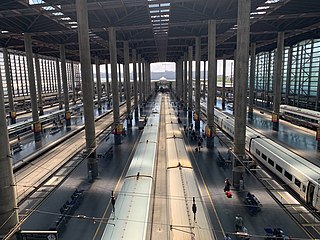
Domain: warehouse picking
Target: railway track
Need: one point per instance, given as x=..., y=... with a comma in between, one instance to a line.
x=38, y=178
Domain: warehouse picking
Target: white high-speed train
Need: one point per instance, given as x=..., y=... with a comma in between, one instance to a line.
x=300, y=116
x=299, y=174
x=183, y=187
x=131, y=219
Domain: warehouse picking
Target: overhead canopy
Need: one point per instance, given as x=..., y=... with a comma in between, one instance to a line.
x=160, y=30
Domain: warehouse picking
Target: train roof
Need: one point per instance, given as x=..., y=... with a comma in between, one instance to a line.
x=130, y=217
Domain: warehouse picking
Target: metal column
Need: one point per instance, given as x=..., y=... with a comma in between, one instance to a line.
x=135, y=83
x=12, y=111
x=241, y=82
x=8, y=202
x=212, y=81
x=197, y=87
x=126, y=75
x=33, y=94
x=252, y=78
x=39, y=84
x=277, y=83
x=190, y=82
x=85, y=60
x=98, y=84
x=115, y=92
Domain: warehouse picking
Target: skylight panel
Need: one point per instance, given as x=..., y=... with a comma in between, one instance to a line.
x=263, y=8
x=154, y=6
x=258, y=13
x=57, y=13
x=272, y=1
x=165, y=5
x=48, y=8
x=34, y=2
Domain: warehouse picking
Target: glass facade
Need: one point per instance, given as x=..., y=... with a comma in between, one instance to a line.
x=300, y=75
x=19, y=74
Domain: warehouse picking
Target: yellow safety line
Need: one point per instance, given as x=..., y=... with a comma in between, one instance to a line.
x=208, y=193
x=300, y=216
x=115, y=189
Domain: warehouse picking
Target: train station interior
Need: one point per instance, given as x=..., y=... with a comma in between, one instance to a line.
x=159, y=119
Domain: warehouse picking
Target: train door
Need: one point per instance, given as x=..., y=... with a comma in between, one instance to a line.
x=310, y=193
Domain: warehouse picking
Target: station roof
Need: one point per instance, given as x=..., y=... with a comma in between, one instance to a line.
x=160, y=30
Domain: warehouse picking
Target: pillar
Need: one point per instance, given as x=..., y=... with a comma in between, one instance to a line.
x=140, y=80
x=59, y=83
x=65, y=86
x=190, y=82
x=177, y=86
x=252, y=78
x=143, y=63
x=119, y=81
x=243, y=33
x=148, y=80
x=180, y=63
x=73, y=83
x=288, y=78
x=223, y=92
x=135, y=82
x=98, y=84
x=212, y=82
x=33, y=94
x=87, y=85
x=8, y=203
x=12, y=111
x=115, y=92
x=185, y=81
x=197, y=87
x=146, y=72
x=39, y=84
x=204, y=80
x=277, y=83
x=126, y=74
x=107, y=81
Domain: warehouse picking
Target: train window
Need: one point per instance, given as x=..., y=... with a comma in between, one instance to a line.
x=258, y=152
x=264, y=156
x=271, y=162
x=297, y=182
x=279, y=168
x=288, y=175
x=303, y=188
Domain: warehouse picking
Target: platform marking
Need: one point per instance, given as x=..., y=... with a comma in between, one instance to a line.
x=300, y=216
x=207, y=191
x=115, y=189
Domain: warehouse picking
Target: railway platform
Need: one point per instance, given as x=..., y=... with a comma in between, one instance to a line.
x=90, y=217
x=223, y=210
